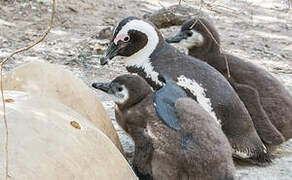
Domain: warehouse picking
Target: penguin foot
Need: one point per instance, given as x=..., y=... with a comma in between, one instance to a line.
x=259, y=158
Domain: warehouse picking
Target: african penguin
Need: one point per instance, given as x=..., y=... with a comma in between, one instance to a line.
x=175, y=138
x=266, y=99
x=147, y=54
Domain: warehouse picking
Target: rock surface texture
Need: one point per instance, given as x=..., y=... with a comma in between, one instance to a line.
x=53, y=81
x=48, y=140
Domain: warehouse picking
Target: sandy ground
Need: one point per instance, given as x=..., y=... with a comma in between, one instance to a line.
x=258, y=31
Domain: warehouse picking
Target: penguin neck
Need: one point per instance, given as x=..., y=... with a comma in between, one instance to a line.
x=211, y=43
x=141, y=63
x=160, y=49
x=143, y=56
x=205, y=53
x=133, y=101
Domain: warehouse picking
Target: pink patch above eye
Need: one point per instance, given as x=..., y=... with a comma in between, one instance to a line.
x=120, y=37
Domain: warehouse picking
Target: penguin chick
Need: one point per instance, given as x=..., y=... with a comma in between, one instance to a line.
x=146, y=53
x=197, y=149
x=266, y=99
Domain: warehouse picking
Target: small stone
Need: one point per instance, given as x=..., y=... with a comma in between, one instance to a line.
x=277, y=68
x=99, y=51
x=105, y=33
x=75, y=124
x=9, y=100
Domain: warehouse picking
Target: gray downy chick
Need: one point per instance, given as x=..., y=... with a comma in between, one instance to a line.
x=175, y=138
x=267, y=100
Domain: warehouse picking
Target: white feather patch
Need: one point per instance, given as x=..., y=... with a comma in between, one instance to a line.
x=150, y=73
x=149, y=70
x=198, y=91
x=141, y=58
x=196, y=40
x=153, y=39
x=121, y=97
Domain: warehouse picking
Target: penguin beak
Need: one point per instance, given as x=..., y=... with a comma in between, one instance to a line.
x=110, y=53
x=177, y=38
x=105, y=87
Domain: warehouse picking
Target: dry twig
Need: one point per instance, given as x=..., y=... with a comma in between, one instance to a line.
x=221, y=49
x=1, y=78
x=199, y=14
x=213, y=38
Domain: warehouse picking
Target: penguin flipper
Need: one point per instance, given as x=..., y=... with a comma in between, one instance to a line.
x=165, y=110
x=164, y=103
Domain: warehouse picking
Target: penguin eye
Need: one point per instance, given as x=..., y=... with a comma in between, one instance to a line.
x=189, y=33
x=120, y=89
x=126, y=39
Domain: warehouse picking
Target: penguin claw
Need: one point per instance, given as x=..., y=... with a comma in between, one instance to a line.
x=256, y=158
x=261, y=160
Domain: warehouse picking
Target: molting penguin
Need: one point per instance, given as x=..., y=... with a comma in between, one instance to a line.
x=174, y=137
x=147, y=54
x=266, y=99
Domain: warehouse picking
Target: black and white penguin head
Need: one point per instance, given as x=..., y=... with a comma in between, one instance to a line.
x=125, y=89
x=134, y=39
x=120, y=92
x=194, y=35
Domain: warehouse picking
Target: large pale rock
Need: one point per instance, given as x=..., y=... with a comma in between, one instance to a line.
x=50, y=141
x=53, y=81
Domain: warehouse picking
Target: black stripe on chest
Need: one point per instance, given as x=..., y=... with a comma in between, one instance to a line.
x=141, y=72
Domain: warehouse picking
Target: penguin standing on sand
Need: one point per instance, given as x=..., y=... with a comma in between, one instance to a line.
x=175, y=138
x=147, y=54
x=266, y=99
